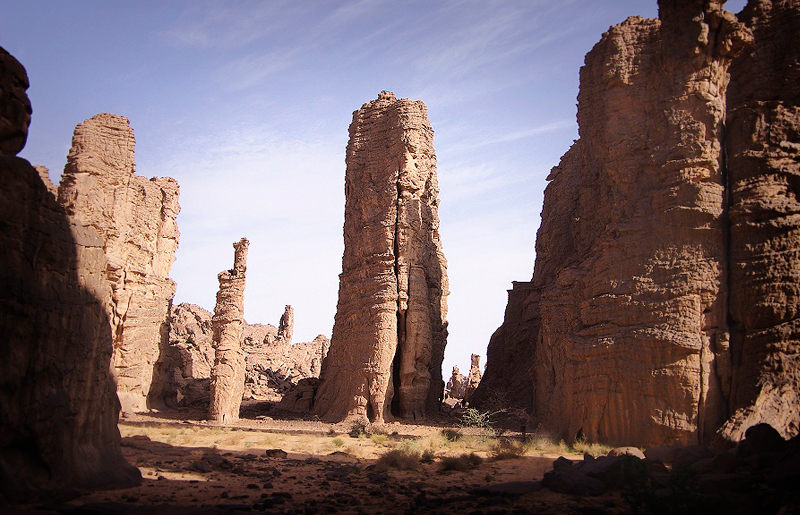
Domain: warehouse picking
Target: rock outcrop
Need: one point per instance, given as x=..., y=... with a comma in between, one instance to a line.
x=456, y=387
x=474, y=377
x=58, y=408
x=283, y=337
x=271, y=369
x=136, y=219
x=624, y=334
x=390, y=332
x=227, y=375
x=763, y=155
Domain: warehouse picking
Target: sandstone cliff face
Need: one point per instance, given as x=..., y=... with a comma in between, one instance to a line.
x=136, y=219
x=58, y=409
x=622, y=336
x=763, y=151
x=227, y=375
x=389, y=334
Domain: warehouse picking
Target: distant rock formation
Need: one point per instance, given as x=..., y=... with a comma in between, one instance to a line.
x=270, y=370
x=227, y=374
x=665, y=291
x=136, y=219
x=283, y=338
x=456, y=387
x=58, y=408
x=474, y=377
x=390, y=332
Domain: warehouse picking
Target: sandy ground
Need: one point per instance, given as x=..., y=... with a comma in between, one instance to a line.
x=190, y=466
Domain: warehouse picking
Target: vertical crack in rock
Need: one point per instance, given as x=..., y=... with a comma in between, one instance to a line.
x=227, y=376
x=763, y=148
x=136, y=218
x=390, y=331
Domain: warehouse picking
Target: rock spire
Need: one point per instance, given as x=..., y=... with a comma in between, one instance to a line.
x=227, y=375
x=389, y=333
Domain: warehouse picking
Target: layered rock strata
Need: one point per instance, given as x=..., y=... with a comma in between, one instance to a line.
x=58, y=408
x=136, y=218
x=390, y=332
x=622, y=336
x=763, y=159
x=227, y=375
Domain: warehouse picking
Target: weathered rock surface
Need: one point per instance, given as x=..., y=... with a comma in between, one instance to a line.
x=227, y=374
x=270, y=370
x=136, y=219
x=623, y=334
x=474, y=377
x=58, y=408
x=456, y=387
x=390, y=332
x=763, y=152
x=273, y=371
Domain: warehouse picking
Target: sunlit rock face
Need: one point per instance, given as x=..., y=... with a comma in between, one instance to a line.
x=389, y=334
x=58, y=408
x=136, y=218
x=664, y=295
x=227, y=375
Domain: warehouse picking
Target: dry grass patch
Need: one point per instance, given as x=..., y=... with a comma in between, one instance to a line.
x=460, y=463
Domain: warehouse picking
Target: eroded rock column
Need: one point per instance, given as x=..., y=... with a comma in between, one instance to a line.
x=227, y=376
x=136, y=218
x=389, y=334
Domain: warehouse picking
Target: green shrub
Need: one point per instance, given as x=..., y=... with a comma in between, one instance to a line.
x=338, y=442
x=452, y=435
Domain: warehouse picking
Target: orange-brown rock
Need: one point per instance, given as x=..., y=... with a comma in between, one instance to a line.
x=456, y=387
x=390, y=332
x=136, y=219
x=58, y=408
x=622, y=336
x=227, y=375
x=763, y=155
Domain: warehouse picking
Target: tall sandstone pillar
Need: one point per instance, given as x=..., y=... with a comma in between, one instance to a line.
x=227, y=375
x=390, y=332
x=136, y=218
x=622, y=335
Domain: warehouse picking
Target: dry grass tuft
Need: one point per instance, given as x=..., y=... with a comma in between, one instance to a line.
x=460, y=463
x=398, y=459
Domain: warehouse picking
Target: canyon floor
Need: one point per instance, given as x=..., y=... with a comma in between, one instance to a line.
x=269, y=464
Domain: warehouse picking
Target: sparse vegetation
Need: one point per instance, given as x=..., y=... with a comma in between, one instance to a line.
x=398, y=459
x=357, y=430
x=338, y=442
x=452, y=435
x=460, y=463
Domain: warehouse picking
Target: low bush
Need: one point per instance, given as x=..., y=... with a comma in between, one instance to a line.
x=460, y=463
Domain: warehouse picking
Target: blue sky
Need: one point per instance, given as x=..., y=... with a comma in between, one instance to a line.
x=247, y=105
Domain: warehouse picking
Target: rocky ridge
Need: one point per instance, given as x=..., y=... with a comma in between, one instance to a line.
x=389, y=332
x=664, y=291
x=271, y=370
